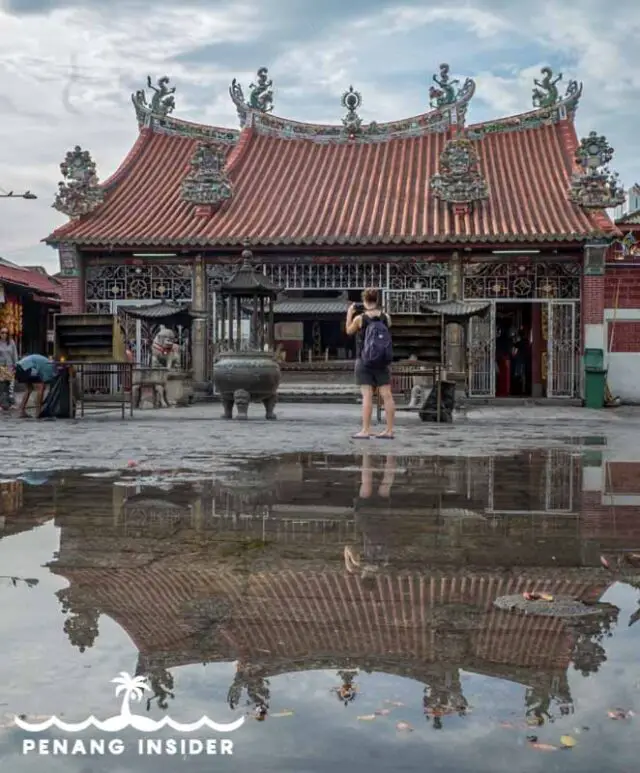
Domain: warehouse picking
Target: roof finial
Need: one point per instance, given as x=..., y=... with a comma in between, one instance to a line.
x=351, y=101
x=247, y=254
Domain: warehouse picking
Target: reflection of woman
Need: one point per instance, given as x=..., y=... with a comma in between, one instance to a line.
x=347, y=691
x=373, y=514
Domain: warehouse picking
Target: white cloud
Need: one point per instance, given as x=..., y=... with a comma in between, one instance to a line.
x=67, y=76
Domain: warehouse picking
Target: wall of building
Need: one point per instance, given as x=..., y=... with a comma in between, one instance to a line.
x=72, y=292
x=622, y=331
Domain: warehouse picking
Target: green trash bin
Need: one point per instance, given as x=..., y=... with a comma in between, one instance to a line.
x=594, y=358
x=595, y=378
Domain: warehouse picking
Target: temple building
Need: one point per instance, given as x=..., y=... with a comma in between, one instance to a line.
x=428, y=208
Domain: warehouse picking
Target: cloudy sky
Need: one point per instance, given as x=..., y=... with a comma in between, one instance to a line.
x=68, y=67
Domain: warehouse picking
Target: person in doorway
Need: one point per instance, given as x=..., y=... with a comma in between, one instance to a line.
x=520, y=359
x=374, y=354
x=8, y=361
x=37, y=371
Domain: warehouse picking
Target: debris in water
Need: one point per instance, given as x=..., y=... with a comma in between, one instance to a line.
x=568, y=741
x=285, y=713
x=537, y=596
x=367, y=717
x=544, y=747
x=620, y=714
x=404, y=727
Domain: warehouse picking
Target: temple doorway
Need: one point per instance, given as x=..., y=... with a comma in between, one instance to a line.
x=515, y=337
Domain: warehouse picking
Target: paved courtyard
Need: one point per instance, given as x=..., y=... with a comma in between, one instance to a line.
x=197, y=438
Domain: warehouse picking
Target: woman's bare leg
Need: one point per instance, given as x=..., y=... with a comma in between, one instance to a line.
x=389, y=409
x=367, y=411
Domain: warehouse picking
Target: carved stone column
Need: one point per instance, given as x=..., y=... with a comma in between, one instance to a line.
x=199, y=330
x=455, y=339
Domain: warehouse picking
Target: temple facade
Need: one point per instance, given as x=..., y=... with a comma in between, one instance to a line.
x=428, y=208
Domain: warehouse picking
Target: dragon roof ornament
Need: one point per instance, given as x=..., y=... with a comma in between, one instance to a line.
x=162, y=101
x=546, y=93
x=156, y=113
x=80, y=192
x=597, y=187
x=260, y=96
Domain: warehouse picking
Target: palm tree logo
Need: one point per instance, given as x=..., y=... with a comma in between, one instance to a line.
x=133, y=688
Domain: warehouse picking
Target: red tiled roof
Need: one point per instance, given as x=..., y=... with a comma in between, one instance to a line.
x=293, y=614
x=28, y=278
x=301, y=192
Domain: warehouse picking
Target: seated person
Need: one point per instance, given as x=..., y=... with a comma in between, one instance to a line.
x=34, y=370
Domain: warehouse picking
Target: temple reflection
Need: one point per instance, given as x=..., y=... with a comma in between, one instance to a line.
x=375, y=565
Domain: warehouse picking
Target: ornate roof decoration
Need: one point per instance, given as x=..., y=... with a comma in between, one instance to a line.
x=459, y=181
x=162, y=102
x=256, y=112
x=80, y=192
x=597, y=187
x=546, y=93
x=207, y=183
x=446, y=93
x=550, y=108
x=352, y=123
x=260, y=95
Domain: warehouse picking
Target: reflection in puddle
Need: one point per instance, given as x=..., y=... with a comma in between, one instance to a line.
x=373, y=586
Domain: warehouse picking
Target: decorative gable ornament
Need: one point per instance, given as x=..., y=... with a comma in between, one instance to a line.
x=597, y=187
x=207, y=184
x=459, y=181
x=162, y=102
x=80, y=192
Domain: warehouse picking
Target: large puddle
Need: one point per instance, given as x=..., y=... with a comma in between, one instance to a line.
x=343, y=607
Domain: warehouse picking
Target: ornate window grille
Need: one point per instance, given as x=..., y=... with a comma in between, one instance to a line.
x=526, y=281
x=106, y=284
x=403, y=274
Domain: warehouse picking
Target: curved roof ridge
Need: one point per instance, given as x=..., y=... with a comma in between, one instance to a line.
x=448, y=111
x=155, y=116
x=128, y=161
x=239, y=149
x=562, y=110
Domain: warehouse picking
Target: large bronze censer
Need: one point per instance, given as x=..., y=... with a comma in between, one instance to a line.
x=245, y=369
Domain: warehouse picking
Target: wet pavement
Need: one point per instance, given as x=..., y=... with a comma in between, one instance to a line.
x=360, y=604
x=197, y=438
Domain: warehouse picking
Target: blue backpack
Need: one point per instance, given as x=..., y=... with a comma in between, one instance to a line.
x=377, y=349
